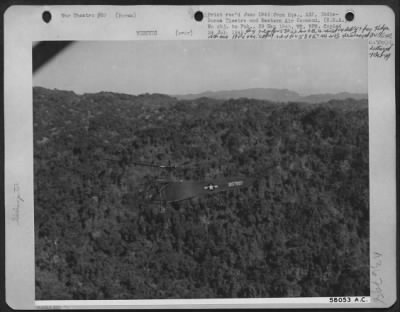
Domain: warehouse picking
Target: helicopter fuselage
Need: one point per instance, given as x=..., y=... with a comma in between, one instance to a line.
x=174, y=191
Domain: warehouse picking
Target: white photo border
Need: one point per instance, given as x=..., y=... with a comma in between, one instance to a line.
x=23, y=25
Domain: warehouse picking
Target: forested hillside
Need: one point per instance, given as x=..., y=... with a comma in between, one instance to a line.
x=302, y=229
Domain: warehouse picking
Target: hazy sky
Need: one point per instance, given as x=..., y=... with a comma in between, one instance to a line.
x=180, y=67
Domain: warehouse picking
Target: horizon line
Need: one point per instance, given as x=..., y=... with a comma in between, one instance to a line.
x=202, y=92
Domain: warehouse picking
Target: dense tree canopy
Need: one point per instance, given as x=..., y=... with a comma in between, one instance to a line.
x=302, y=229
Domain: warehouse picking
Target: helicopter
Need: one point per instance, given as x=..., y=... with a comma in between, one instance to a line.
x=169, y=190
x=166, y=190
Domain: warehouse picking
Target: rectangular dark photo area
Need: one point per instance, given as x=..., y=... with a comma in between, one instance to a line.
x=201, y=169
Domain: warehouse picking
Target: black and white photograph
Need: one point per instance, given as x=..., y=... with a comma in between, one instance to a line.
x=199, y=169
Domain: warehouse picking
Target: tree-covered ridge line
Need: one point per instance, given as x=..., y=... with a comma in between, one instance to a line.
x=301, y=230
x=274, y=95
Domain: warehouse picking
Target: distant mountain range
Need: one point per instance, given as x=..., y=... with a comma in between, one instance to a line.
x=273, y=95
x=268, y=94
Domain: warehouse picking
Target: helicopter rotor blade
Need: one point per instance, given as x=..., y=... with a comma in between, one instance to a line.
x=196, y=165
x=154, y=165
x=147, y=164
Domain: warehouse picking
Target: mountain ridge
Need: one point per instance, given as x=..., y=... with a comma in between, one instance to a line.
x=272, y=94
x=264, y=94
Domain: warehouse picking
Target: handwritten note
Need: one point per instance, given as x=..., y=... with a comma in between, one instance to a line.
x=18, y=203
x=377, y=293
x=308, y=25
